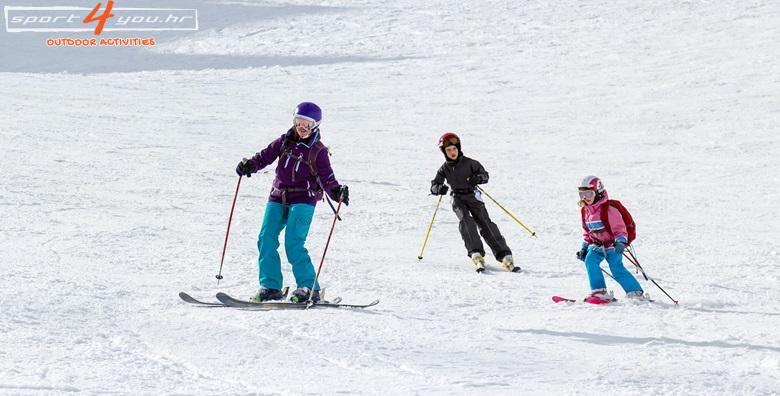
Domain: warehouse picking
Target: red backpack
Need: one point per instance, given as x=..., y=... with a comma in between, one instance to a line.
x=630, y=224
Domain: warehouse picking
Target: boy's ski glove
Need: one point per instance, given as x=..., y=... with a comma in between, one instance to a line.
x=476, y=180
x=439, y=189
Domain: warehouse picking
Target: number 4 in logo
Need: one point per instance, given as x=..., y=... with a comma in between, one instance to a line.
x=101, y=20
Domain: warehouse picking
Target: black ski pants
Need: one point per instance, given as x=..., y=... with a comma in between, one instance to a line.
x=472, y=214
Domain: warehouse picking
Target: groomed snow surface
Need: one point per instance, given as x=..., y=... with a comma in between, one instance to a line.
x=116, y=189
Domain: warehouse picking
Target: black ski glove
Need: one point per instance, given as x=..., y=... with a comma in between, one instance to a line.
x=583, y=252
x=245, y=168
x=475, y=180
x=439, y=189
x=340, y=191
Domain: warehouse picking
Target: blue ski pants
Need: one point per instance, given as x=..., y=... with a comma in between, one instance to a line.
x=596, y=277
x=297, y=218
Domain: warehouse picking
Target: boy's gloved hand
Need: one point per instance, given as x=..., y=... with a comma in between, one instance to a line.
x=475, y=180
x=439, y=189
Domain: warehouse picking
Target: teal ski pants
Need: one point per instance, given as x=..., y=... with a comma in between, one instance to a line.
x=297, y=218
x=595, y=256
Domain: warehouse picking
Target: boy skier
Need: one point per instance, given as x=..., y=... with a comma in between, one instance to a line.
x=463, y=174
x=303, y=173
x=605, y=236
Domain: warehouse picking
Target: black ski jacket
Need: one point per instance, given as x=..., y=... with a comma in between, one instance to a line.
x=462, y=175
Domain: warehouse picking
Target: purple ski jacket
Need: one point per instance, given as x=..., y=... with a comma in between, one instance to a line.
x=295, y=181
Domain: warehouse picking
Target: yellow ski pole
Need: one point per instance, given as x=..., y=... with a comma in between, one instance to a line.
x=533, y=233
x=425, y=242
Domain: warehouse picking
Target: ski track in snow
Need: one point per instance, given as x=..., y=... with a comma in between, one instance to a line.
x=116, y=189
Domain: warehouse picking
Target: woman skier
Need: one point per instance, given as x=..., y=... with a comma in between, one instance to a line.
x=303, y=173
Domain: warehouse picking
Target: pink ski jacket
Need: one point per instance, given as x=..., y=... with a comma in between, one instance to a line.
x=595, y=232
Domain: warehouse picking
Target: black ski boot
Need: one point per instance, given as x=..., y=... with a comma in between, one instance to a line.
x=301, y=295
x=267, y=295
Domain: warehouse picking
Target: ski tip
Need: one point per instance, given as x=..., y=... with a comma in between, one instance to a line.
x=186, y=297
x=371, y=304
x=558, y=299
x=192, y=300
x=222, y=297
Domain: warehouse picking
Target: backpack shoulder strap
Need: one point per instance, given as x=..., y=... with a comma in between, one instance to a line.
x=605, y=215
x=316, y=148
x=312, y=161
x=286, y=147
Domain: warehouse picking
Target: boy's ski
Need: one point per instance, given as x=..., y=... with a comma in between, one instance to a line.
x=480, y=267
x=515, y=270
x=236, y=303
x=192, y=300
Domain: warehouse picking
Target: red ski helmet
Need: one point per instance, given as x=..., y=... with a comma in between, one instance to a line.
x=449, y=139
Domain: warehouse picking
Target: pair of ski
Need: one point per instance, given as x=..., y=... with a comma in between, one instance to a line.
x=480, y=268
x=589, y=300
x=228, y=301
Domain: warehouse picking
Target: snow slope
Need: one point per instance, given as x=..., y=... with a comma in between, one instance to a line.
x=116, y=189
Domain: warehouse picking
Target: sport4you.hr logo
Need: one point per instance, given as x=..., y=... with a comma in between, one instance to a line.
x=98, y=19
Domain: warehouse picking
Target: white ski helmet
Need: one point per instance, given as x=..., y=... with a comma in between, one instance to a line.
x=592, y=183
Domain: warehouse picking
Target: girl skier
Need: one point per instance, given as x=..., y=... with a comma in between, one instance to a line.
x=463, y=174
x=302, y=174
x=603, y=238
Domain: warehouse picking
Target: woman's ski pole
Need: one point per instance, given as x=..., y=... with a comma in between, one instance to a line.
x=533, y=233
x=230, y=219
x=425, y=242
x=322, y=260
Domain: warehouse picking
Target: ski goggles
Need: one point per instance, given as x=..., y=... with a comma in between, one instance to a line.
x=308, y=125
x=450, y=141
x=587, y=194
